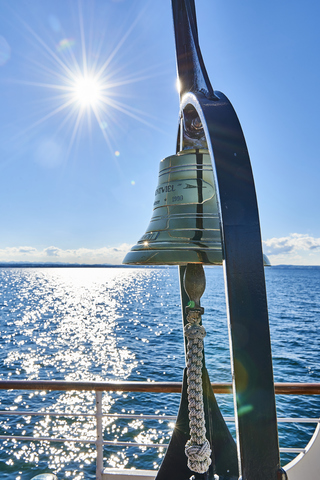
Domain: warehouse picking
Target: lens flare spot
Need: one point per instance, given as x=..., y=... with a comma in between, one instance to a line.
x=54, y=23
x=5, y=51
x=117, y=153
x=245, y=409
x=49, y=153
x=66, y=44
x=133, y=182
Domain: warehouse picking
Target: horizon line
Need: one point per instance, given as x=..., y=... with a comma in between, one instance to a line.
x=111, y=265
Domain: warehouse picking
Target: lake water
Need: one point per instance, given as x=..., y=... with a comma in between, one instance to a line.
x=125, y=324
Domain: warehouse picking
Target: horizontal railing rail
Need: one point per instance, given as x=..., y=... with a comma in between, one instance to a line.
x=155, y=387
x=148, y=387
x=26, y=413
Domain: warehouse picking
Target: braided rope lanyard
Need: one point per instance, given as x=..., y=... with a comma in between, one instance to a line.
x=197, y=448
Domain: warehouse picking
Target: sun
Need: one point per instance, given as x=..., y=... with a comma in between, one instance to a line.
x=87, y=91
x=86, y=84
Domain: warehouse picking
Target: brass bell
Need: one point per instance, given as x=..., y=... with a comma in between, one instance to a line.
x=185, y=226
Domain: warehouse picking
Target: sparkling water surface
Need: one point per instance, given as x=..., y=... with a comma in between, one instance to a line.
x=125, y=324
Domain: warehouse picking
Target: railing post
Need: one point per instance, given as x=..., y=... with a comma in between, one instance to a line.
x=99, y=441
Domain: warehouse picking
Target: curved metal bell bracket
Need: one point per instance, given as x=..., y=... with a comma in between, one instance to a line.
x=209, y=120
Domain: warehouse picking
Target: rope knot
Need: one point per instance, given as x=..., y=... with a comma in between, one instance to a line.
x=193, y=316
x=194, y=331
x=198, y=456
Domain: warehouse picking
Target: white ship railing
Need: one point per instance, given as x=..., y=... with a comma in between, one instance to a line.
x=155, y=387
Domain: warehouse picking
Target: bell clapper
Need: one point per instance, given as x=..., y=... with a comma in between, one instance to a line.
x=197, y=449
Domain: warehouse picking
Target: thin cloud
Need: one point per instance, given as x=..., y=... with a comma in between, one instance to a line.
x=295, y=249
x=26, y=249
x=294, y=242
x=17, y=251
x=52, y=251
x=110, y=255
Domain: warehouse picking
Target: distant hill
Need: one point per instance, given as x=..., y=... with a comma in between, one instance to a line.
x=295, y=266
x=71, y=265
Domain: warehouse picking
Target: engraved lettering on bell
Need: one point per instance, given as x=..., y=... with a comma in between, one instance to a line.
x=165, y=189
x=149, y=236
x=190, y=191
x=193, y=186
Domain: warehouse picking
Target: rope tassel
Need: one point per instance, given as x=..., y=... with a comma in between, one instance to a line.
x=197, y=448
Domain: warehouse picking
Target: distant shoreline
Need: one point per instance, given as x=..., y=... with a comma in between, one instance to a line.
x=106, y=265
x=75, y=265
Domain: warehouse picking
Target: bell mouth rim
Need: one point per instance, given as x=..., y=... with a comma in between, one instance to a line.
x=173, y=256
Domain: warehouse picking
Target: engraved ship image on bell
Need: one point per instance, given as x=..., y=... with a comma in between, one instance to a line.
x=185, y=226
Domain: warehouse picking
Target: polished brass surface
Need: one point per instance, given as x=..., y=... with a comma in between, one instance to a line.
x=185, y=226
x=266, y=261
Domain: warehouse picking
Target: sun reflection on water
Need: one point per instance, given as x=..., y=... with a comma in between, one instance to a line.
x=79, y=324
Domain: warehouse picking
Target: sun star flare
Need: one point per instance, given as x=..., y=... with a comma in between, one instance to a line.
x=87, y=91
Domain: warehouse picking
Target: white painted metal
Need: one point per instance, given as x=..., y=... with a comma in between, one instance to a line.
x=99, y=442
x=45, y=476
x=307, y=464
x=126, y=474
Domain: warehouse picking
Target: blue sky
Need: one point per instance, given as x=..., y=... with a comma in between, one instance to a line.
x=77, y=182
